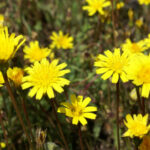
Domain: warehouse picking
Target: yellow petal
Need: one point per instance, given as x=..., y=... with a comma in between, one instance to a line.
x=89, y=115
x=86, y=101
x=82, y=120
x=90, y=109
x=115, y=78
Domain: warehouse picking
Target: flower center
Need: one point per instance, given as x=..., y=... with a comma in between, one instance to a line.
x=76, y=111
x=138, y=129
x=116, y=64
x=45, y=77
x=135, y=48
x=97, y=5
x=62, y=40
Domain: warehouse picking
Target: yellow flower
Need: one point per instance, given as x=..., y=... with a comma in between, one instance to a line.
x=139, y=72
x=142, y=2
x=3, y=145
x=1, y=79
x=35, y=53
x=130, y=14
x=44, y=76
x=15, y=74
x=120, y=5
x=137, y=126
x=139, y=23
x=1, y=20
x=96, y=6
x=9, y=44
x=145, y=145
x=78, y=109
x=134, y=48
x=61, y=41
x=113, y=64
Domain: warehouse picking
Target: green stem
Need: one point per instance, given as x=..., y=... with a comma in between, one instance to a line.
x=117, y=114
x=12, y=98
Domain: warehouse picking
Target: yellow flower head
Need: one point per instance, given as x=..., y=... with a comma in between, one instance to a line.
x=9, y=44
x=130, y=14
x=1, y=20
x=134, y=48
x=120, y=5
x=15, y=74
x=113, y=64
x=137, y=126
x=139, y=23
x=145, y=145
x=2, y=144
x=144, y=2
x=35, y=53
x=61, y=41
x=139, y=72
x=78, y=109
x=96, y=6
x=44, y=76
x=1, y=79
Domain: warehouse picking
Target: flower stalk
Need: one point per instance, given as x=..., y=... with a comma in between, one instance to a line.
x=58, y=124
x=117, y=113
x=80, y=137
x=17, y=109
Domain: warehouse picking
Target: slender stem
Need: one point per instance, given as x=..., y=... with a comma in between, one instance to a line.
x=58, y=124
x=113, y=22
x=27, y=117
x=139, y=100
x=117, y=114
x=4, y=130
x=143, y=104
x=12, y=98
x=80, y=137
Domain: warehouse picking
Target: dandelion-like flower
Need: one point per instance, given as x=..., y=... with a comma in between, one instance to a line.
x=33, y=52
x=44, y=77
x=137, y=126
x=9, y=44
x=61, y=41
x=78, y=109
x=113, y=64
x=1, y=79
x=144, y=2
x=145, y=145
x=96, y=6
x=134, y=47
x=139, y=73
x=16, y=75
